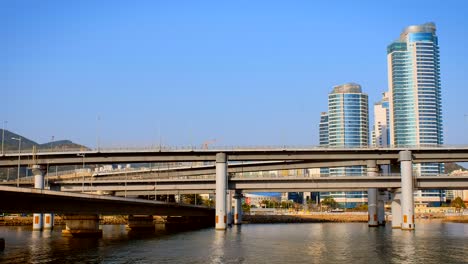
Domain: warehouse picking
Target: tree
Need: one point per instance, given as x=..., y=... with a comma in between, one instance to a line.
x=330, y=202
x=192, y=199
x=208, y=202
x=245, y=207
x=458, y=203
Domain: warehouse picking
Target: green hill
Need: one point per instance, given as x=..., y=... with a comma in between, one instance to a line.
x=27, y=144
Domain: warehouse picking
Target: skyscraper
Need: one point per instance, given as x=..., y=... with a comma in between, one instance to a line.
x=323, y=129
x=348, y=126
x=348, y=121
x=381, y=130
x=323, y=140
x=415, y=92
x=415, y=96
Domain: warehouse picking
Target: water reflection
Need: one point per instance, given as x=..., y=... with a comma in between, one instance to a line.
x=432, y=242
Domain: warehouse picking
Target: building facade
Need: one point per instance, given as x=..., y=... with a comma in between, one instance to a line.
x=415, y=96
x=348, y=126
x=381, y=129
x=348, y=122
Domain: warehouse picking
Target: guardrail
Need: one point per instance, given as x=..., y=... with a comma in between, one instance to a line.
x=158, y=148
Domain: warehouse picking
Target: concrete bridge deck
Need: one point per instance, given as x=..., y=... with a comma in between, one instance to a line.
x=316, y=154
x=28, y=200
x=207, y=184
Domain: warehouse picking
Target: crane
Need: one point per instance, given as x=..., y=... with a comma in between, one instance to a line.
x=206, y=143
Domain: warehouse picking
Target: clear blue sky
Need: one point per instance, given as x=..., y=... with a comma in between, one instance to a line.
x=244, y=72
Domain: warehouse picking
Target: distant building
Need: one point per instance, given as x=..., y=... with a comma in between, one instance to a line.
x=381, y=129
x=256, y=199
x=323, y=140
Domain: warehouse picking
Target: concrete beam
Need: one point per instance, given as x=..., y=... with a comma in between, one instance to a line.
x=46, y=201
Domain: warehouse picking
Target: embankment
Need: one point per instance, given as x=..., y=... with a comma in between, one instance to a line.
x=457, y=219
x=319, y=218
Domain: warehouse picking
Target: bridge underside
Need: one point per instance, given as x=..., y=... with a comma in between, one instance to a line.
x=25, y=200
x=277, y=184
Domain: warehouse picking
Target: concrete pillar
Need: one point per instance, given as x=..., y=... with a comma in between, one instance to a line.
x=230, y=215
x=238, y=208
x=396, y=209
x=81, y=226
x=381, y=198
x=372, y=195
x=221, y=184
x=38, y=172
x=141, y=223
x=37, y=222
x=48, y=221
x=407, y=190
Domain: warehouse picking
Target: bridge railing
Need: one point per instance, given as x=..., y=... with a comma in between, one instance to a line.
x=161, y=148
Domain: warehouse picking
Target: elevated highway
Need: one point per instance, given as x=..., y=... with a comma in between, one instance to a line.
x=191, y=185
x=314, y=154
x=27, y=200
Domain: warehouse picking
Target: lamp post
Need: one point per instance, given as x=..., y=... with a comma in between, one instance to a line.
x=3, y=135
x=19, y=159
x=82, y=155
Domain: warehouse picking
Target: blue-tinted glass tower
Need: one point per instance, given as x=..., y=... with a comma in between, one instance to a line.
x=415, y=93
x=348, y=127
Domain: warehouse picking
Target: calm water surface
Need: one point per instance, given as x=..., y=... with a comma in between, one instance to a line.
x=432, y=242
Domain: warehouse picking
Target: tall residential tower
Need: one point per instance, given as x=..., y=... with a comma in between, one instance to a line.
x=415, y=97
x=348, y=126
x=414, y=91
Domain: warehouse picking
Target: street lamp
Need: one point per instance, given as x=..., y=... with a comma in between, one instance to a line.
x=19, y=159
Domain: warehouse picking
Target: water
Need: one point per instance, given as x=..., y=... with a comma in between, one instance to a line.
x=432, y=242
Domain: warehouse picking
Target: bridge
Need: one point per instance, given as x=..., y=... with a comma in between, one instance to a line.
x=313, y=156
x=207, y=184
x=28, y=200
x=231, y=161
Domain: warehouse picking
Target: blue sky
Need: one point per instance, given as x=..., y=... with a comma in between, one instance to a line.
x=183, y=72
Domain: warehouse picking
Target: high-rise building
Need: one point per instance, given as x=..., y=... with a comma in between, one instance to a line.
x=348, y=122
x=415, y=95
x=323, y=129
x=323, y=140
x=415, y=92
x=348, y=126
x=381, y=131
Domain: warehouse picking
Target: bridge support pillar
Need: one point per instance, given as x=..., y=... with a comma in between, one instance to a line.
x=82, y=226
x=238, y=208
x=381, y=207
x=407, y=190
x=229, y=209
x=140, y=222
x=48, y=221
x=38, y=172
x=396, y=209
x=372, y=195
x=221, y=184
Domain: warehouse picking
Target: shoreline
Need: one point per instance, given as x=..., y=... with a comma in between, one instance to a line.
x=320, y=218
x=247, y=219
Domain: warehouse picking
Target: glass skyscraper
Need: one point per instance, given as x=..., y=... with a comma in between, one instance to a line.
x=323, y=140
x=348, y=122
x=348, y=126
x=415, y=96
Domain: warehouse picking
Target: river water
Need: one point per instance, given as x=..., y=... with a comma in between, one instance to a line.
x=432, y=242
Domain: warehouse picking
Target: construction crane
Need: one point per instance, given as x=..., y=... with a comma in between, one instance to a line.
x=206, y=143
